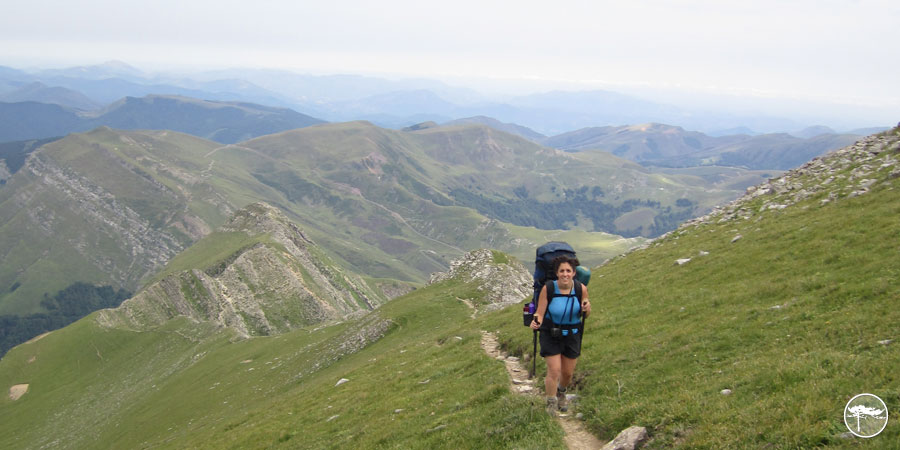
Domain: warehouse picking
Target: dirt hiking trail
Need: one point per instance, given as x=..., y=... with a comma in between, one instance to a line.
x=577, y=438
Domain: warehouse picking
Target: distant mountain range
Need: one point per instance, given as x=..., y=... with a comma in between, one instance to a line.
x=232, y=122
x=223, y=122
x=668, y=146
x=388, y=103
x=41, y=93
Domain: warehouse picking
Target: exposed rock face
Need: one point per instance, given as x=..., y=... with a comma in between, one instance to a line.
x=277, y=284
x=148, y=247
x=504, y=280
x=4, y=171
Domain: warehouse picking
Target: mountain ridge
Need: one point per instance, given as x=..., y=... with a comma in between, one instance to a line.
x=40, y=92
x=223, y=122
x=670, y=146
x=272, y=281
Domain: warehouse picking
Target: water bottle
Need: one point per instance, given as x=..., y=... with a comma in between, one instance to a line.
x=528, y=314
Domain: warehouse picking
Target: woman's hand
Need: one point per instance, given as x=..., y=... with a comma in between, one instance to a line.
x=586, y=307
x=535, y=325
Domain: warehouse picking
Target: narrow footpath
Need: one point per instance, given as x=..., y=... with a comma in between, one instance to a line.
x=577, y=438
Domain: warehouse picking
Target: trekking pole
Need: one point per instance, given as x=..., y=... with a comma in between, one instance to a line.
x=533, y=355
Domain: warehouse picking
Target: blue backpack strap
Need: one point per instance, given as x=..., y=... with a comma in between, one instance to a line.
x=576, y=290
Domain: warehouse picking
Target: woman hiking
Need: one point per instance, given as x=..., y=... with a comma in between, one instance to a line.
x=558, y=317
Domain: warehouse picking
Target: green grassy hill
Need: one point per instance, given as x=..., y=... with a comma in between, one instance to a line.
x=112, y=207
x=787, y=301
x=417, y=379
x=501, y=176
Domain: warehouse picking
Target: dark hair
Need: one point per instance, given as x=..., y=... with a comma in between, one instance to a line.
x=564, y=259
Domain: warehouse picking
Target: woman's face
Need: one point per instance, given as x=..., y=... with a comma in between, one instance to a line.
x=565, y=272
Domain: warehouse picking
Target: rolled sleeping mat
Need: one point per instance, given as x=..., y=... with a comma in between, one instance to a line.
x=583, y=274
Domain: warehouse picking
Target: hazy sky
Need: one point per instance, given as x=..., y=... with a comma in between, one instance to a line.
x=827, y=50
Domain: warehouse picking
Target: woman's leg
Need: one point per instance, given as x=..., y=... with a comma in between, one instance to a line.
x=553, y=373
x=567, y=368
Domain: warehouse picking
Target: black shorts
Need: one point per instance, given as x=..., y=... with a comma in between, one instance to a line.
x=568, y=346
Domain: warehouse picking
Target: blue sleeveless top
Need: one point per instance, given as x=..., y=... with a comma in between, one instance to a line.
x=564, y=309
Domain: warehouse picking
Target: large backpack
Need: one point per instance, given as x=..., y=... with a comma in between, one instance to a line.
x=543, y=272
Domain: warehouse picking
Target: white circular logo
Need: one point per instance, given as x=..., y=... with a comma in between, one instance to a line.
x=865, y=415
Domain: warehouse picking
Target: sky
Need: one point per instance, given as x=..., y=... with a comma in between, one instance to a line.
x=819, y=51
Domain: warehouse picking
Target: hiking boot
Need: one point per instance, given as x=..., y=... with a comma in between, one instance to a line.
x=561, y=401
x=552, y=406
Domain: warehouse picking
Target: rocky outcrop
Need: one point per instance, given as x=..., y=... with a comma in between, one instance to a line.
x=280, y=282
x=630, y=438
x=350, y=341
x=503, y=279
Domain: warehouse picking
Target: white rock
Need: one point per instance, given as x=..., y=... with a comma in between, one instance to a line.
x=629, y=439
x=682, y=261
x=341, y=381
x=725, y=392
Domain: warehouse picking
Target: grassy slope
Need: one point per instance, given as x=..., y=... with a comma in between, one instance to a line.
x=666, y=339
x=364, y=230
x=426, y=384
